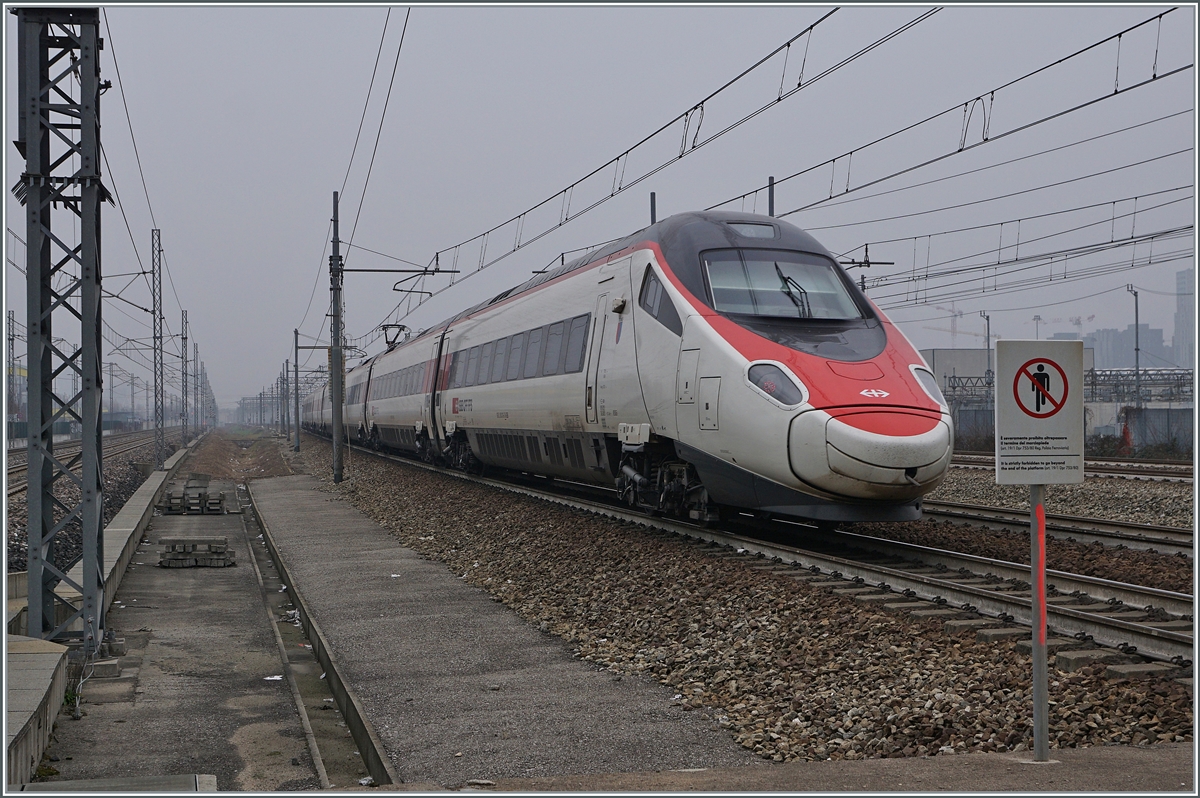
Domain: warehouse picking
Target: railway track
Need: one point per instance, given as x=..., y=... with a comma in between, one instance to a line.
x=18, y=482
x=1165, y=470
x=1154, y=623
x=1147, y=537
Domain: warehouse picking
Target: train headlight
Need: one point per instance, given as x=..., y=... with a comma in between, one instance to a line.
x=776, y=384
x=929, y=383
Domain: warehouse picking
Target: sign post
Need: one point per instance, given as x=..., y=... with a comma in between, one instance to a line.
x=1039, y=442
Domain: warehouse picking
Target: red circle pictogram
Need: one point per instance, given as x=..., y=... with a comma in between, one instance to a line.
x=1041, y=390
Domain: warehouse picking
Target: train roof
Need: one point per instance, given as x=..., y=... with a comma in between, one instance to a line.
x=680, y=237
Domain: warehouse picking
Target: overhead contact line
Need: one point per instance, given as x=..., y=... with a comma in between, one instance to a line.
x=692, y=120
x=965, y=108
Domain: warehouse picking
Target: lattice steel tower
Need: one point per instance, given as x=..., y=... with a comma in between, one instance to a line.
x=160, y=441
x=183, y=376
x=59, y=137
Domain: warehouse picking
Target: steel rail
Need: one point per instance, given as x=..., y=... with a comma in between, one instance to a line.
x=1162, y=470
x=68, y=447
x=1146, y=537
x=1104, y=590
x=1161, y=644
x=13, y=490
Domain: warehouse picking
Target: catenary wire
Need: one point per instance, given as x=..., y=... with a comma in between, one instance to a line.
x=616, y=161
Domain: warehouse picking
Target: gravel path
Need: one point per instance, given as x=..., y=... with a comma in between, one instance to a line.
x=790, y=670
x=1136, y=500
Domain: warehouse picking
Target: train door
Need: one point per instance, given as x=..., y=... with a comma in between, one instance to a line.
x=429, y=411
x=368, y=418
x=687, y=418
x=599, y=320
x=658, y=331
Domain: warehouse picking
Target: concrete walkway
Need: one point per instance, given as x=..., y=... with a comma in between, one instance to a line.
x=200, y=690
x=457, y=686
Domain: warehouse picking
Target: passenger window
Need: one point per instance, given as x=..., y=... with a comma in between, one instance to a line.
x=472, y=365
x=485, y=362
x=456, y=370
x=553, y=348
x=498, y=360
x=575, y=344
x=655, y=301
x=514, y=356
x=534, y=352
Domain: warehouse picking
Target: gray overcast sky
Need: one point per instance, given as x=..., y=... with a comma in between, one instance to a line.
x=245, y=118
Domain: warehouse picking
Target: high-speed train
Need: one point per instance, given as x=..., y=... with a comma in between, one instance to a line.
x=712, y=361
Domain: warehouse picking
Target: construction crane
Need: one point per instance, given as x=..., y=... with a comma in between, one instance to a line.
x=955, y=314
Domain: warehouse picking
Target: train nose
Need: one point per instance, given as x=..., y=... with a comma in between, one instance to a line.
x=894, y=454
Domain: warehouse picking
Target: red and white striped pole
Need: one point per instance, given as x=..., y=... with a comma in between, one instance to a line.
x=1037, y=561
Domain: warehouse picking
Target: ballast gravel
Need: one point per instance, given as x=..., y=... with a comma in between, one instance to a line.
x=1132, y=566
x=791, y=670
x=121, y=480
x=1138, y=501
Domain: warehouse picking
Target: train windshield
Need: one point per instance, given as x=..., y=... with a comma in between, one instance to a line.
x=778, y=283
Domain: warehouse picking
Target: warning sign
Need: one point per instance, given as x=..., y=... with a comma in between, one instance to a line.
x=1038, y=391
x=1039, y=412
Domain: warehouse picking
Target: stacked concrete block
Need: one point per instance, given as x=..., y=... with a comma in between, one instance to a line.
x=196, y=551
x=172, y=503
x=193, y=498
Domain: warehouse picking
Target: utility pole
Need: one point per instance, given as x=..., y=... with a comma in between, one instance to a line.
x=196, y=386
x=205, y=398
x=12, y=367
x=771, y=196
x=160, y=442
x=296, y=390
x=335, y=344
x=653, y=209
x=989, y=374
x=1137, y=370
x=53, y=111
x=287, y=417
x=183, y=410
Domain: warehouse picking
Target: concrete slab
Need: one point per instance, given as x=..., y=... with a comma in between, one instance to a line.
x=1101, y=769
x=1081, y=658
x=1177, y=626
x=1140, y=670
x=442, y=670
x=853, y=591
x=936, y=613
x=967, y=624
x=908, y=605
x=188, y=783
x=1052, y=644
x=875, y=598
x=1002, y=633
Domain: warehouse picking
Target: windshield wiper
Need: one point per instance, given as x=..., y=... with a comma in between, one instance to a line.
x=788, y=282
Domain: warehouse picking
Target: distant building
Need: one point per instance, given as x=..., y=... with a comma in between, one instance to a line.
x=1183, y=344
x=1114, y=348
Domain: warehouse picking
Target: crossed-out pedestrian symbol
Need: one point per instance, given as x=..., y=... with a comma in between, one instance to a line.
x=1040, y=392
